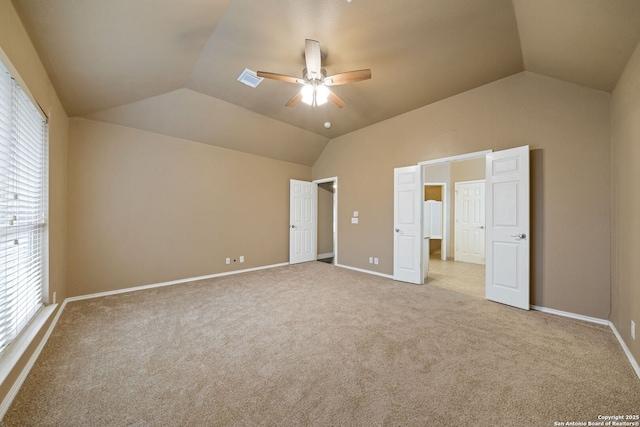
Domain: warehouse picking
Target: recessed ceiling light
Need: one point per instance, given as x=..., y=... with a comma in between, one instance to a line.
x=327, y=125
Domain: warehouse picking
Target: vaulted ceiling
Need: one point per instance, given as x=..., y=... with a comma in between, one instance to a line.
x=171, y=67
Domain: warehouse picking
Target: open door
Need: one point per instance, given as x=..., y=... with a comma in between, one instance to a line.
x=303, y=221
x=407, y=237
x=507, y=220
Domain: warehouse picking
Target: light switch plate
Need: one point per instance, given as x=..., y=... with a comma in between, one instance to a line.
x=354, y=220
x=355, y=214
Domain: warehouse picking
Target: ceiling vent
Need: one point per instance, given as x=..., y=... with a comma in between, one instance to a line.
x=249, y=78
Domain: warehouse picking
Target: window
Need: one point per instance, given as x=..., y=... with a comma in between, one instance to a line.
x=23, y=209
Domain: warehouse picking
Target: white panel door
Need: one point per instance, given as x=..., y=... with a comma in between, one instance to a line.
x=432, y=224
x=507, y=186
x=469, y=220
x=303, y=221
x=407, y=214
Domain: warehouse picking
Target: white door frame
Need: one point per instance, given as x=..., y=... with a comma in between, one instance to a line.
x=445, y=200
x=333, y=179
x=460, y=157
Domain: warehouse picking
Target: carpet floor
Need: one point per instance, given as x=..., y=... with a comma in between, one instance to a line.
x=314, y=344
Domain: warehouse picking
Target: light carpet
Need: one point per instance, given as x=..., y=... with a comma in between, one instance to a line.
x=314, y=344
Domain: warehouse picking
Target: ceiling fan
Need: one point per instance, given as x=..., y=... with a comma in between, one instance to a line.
x=315, y=91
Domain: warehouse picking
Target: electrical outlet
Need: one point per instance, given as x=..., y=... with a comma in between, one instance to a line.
x=228, y=260
x=241, y=258
x=375, y=261
x=633, y=329
x=370, y=260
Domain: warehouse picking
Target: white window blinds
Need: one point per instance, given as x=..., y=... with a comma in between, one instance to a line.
x=23, y=209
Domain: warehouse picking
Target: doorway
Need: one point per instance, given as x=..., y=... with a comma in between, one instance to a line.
x=449, y=171
x=434, y=222
x=448, y=269
x=507, y=232
x=327, y=242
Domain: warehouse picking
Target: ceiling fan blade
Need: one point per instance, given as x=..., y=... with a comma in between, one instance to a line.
x=312, y=56
x=348, y=77
x=294, y=101
x=336, y=100
x=281, y=77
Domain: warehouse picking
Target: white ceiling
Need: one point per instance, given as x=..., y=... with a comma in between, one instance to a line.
x=171, y=66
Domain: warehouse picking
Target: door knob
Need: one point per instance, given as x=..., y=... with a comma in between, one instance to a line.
x=481, y=227
x=293, y=226
x=397, y=230
x=519, y=236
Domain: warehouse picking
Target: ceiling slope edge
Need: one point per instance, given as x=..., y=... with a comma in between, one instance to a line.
x=193, y=116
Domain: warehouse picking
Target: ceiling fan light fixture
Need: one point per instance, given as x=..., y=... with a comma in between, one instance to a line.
x=322, y=94
x=314, y=95
x=307, y=94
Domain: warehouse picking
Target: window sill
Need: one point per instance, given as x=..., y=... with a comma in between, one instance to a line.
x=16, y=350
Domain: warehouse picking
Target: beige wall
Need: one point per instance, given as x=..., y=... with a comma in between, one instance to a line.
x=148, y=208
x=19, y=55
x=567, y=128
x=468, y=170
x=625, y=132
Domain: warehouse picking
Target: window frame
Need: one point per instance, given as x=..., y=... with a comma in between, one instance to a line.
x=25, y=218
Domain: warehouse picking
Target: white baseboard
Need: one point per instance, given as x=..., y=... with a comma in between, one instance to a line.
x=604, y=322
x=633, y=361
x=375, y=273
x=570, y=315
x=325, y=256
x=172, y=282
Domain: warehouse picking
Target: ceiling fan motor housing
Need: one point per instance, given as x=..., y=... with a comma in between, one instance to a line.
x=310, y=76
